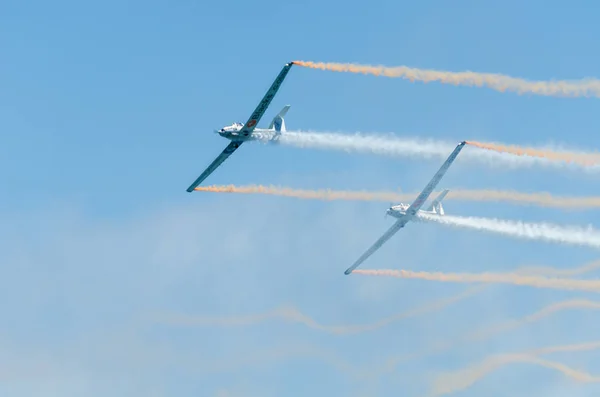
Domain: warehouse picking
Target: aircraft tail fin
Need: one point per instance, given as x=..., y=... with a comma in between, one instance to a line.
x=278, y=123
x=436, y=205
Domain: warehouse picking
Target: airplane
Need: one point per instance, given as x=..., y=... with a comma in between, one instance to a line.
x=406, y=213
x=239, y=133
x=435, y=208
x=274, y=129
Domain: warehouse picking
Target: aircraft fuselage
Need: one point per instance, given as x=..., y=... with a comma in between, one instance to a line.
x=399, y=211
x=232, y=133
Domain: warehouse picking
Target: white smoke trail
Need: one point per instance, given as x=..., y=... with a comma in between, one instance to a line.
x=584, y=236
x=394, y=146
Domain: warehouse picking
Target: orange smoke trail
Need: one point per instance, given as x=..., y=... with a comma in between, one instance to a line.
x=537, y=316
x=294, y=315
x=550, y=271
x=584, y=159
x=491, y=278
x=542, y=198
x=284, y=352
x=488, y=332
x=498, y=82
x=460, y=380
x=322, y=194
x=579, y=347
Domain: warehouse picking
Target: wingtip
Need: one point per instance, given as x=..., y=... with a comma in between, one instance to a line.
x=347, y=272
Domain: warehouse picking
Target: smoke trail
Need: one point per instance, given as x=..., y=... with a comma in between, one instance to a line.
x=322, y=194
x=594, y=265
x=482, y=334
x=537, y=316
x=288, y=351
x=450, y=383
x=487, y=332
x=540, y=314
x=490, y=331
x=292, y=350
x=394, y=146
x=541, y=199
x=293, y=315
x=535, y=231
x=490, y=278
x=462, y=379
x=583, y=159
x=578, y=88
x=564, y=348
x=379, y=144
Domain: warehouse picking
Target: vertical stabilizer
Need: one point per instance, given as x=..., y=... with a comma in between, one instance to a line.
x=436, y=205
x=278, y=123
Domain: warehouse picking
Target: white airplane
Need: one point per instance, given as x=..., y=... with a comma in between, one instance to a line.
x=405, y=213
x=277, y=126
x=239, y=133
x=435, y=208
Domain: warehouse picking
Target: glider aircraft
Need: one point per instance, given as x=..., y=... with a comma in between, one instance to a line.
x=239, y=133
x=435, y=208
x=404, y=213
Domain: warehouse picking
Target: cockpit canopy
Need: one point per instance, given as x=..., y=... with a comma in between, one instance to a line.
x=234, y=126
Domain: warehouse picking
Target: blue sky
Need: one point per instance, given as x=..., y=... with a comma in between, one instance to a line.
x=107, y=114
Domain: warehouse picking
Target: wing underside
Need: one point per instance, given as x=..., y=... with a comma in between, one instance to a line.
x=232, y=147
x=386, y=236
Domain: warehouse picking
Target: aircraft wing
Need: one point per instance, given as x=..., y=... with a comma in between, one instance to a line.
x=247, y=128
x=424, y=195
x=265, y=102
x=386, y=236
x=232, y=147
